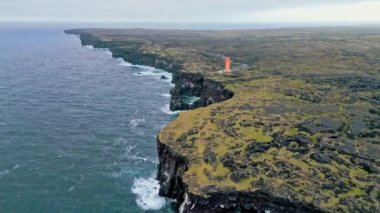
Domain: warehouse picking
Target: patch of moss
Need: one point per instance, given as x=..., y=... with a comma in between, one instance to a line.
x=254, y=134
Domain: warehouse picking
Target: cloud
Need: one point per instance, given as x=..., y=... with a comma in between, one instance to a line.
x=162, y=10
x=354, y=12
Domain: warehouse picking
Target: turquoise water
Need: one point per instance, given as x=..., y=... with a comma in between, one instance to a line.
x=77, y=127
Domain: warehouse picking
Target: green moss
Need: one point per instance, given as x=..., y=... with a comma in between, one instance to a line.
x=254, y=134
x=292, y=131
x=331, y=202
x=355, y=192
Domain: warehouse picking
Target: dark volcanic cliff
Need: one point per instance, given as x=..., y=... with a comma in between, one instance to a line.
x=195, y=85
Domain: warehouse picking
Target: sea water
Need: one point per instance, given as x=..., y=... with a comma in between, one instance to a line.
x=77, y=127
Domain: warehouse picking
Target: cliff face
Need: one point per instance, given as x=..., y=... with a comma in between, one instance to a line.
x=171, y=167
x=190, y=85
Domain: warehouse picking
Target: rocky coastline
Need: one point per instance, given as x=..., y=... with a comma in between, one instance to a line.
x=172, y=165
x=313, y=148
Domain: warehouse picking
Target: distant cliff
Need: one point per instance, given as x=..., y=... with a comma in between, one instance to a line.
x=188, y=85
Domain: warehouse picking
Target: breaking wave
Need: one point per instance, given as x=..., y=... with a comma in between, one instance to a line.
x=160, y=74
x=166, y=95
x=146, y=190
x=106, y=50
x=133, y=155
x=5, y=172
x=89, y=47
x=166, y=109
x=148, y=71
x=135, y=122
x=124, y=63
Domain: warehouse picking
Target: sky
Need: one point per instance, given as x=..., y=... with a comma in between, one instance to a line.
x=194, y=11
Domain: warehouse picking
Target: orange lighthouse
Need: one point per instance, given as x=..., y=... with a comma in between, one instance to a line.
x=227, y=64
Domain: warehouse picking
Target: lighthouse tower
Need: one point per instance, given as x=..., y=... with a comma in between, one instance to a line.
x=227, y=67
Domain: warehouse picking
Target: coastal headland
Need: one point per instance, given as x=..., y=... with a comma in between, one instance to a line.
x=294, y=128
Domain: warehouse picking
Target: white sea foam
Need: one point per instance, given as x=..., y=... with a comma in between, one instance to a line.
x=71, y=189
x=146, y=190
x=162, y=75
x=191, y=99
x=150, y=71
x=126, y=64
x=135, y=122
x=5, y=172
x=107, y=51
x=166, y=110
x=132, y=155
x=147, y=70
x=166, y=95
x=143, y=67
x=130, y=147
x=123, y=173
x=139, y=158
x=89, y=47
x=16, y=166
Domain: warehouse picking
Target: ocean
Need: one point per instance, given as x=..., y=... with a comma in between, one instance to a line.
x=77, y=127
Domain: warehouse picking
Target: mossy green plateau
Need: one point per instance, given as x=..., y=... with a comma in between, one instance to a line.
x=304, y=121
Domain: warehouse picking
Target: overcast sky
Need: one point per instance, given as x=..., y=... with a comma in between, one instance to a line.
x=207, y=11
